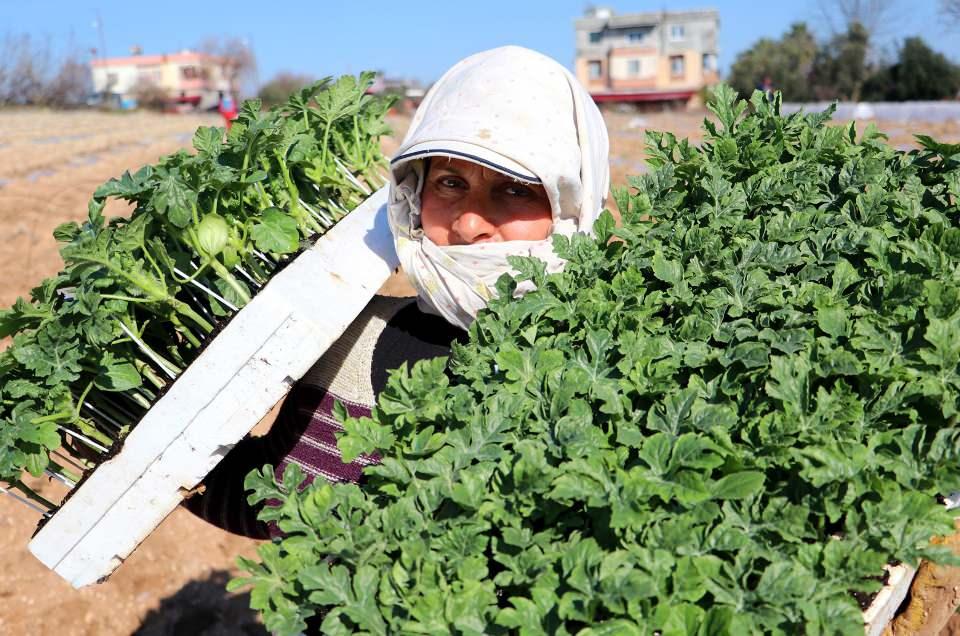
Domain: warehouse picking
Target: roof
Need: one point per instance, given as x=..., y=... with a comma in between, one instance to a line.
x=642, y=96
x=628, y=20
x=154, y=60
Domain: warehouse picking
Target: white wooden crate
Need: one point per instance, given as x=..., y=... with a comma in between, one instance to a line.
x=888, y=599
x=240, y=376
x=900, y=577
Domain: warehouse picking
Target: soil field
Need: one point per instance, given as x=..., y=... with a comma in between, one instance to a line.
x=50, y=163
x=627, y=135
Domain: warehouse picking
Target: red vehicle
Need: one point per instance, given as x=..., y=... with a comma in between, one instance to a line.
x=227, y=109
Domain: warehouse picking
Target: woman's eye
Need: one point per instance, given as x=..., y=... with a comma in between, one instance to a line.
x=450, y=182
x=518, y=191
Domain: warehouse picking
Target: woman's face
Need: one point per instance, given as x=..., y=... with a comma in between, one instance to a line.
x=464, y=203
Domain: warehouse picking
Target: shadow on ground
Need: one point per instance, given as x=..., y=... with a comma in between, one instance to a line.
x=203, y=608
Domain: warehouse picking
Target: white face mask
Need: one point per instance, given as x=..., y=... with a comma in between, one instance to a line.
x=457, y=281
x=525, y=115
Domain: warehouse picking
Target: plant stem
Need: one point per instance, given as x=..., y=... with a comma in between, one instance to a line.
x=167, y=367
x=83, y=438
x=152, y=262
x=31, y=494
x=53, y=417
x=59, y=472
x=350, y=177
x=225, y=275
x=83, y=396
x=307, y=224
x=189, y=279
x=185, y=331
x=196, y=301
x=148, y=372
x=187, y=311
x=89, y=428
x=249, y=278
x=326, y=140
x=102, y=412
x=138, y=399
x=214, y=294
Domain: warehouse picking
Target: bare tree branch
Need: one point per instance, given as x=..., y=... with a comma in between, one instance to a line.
x=27, y=73
x=238, y=60
x=30, y=74
x=7, y=48
x=951, y=11
x=874, y=15
x=71, y=84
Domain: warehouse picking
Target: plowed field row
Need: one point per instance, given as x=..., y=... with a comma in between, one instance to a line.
x=50, y=163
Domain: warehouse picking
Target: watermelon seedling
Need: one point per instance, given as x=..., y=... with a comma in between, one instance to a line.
x=95, y=347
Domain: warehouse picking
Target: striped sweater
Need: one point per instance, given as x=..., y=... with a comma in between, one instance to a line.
x=354, y=370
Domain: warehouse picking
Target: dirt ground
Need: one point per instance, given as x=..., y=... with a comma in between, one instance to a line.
x=50, y=163
x=174, y=583
x=627, y=131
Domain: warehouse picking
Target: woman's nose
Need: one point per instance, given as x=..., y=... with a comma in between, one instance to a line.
x=473, y=226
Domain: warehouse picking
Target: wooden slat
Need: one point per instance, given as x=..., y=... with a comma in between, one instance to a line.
x=888, y=599
x=241, y=375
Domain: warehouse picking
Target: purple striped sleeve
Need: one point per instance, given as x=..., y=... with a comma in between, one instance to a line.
x=308, y=417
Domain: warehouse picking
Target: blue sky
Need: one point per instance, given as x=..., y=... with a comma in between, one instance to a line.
x=408, y=38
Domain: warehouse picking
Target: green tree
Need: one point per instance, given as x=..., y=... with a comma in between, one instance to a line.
x=786, y=62
x=919, y=73
x=281, y=86
x=840, y=68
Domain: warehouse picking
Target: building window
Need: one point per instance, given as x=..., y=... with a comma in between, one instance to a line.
x=594, y=69
x=595, y=37
x=189, y=72
x=633, y=68
x=635, y=36
x=677, y=66
x=709, y=62
x=151, y=76
x=676, y=32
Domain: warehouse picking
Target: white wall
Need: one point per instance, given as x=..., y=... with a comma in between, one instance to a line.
x=126, y=78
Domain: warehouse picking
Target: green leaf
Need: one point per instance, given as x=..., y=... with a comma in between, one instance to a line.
x=208, y=140
x=276, y=232
x=118, y=376
x=174, y=199
x=789, y=382
x=666, y=270
x=832, y=319
x=66, y=232
x=741, y=485
x=45, y=435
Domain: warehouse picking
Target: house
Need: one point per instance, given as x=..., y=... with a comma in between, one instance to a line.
x=409, y=92
x=662, y=56
x=185, y=79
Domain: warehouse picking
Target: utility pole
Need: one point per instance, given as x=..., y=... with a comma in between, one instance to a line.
x=256, y=69
x=98, y=23
x=101, y=50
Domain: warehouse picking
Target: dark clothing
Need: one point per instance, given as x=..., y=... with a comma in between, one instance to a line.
x=389, y=332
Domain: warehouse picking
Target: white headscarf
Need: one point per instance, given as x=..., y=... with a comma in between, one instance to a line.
x=518, y=112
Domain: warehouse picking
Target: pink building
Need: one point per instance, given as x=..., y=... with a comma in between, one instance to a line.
x=661, y=56
x=187, y=78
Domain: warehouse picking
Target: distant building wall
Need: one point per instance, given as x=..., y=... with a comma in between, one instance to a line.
x=645, y=53
x=187, y=77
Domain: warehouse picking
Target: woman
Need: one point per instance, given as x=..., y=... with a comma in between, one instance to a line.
x=506, y=150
